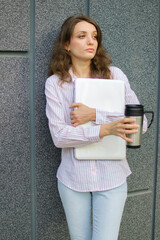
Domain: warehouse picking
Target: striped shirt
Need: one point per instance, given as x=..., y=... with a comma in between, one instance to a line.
x=84, y=175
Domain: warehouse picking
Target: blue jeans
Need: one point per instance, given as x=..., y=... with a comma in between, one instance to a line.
x=106, y=208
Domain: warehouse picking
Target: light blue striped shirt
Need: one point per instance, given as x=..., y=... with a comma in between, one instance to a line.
x=83, y=175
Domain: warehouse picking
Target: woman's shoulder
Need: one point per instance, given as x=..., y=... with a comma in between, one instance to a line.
x=117, y=73
x=53, y=79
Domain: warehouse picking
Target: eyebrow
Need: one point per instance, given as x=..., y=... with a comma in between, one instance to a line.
x=84, y=32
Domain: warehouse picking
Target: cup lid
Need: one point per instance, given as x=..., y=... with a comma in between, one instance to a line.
x=134, y=110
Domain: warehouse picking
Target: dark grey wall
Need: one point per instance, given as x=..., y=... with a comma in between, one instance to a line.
x=30, y=206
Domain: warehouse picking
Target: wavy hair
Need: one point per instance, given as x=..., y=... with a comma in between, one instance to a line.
x=61, y=59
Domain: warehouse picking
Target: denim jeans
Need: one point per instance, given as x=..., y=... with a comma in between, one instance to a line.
x=106, y=208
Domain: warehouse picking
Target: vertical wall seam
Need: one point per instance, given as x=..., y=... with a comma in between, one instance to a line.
x=156, y=145
x=32, y=119
x=87, y=7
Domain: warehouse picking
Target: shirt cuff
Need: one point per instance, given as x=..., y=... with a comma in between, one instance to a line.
x=107, y=117
x=92, y=133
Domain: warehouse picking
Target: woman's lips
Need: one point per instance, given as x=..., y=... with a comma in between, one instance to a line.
x=90, y=50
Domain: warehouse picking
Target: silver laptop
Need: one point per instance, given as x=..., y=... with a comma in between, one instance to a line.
x=107, y=95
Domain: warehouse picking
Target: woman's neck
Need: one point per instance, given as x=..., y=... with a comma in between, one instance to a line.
x=82, y=69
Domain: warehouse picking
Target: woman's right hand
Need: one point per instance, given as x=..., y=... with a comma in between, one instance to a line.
x=120, y=128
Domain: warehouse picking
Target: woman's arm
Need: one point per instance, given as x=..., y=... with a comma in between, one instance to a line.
x=65, y=135
x=85, y=114
x=82, y=114
x=119, y=128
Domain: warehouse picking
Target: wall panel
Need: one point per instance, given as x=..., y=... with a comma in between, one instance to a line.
x=15, y=207
x=130, y=35
x=130, y=32
x=137, y=215
x=14, y=19
x=157, y=178
x=51, y=222
x=30, y=205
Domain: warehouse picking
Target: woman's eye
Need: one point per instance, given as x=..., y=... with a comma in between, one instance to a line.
x=81, y=36
x=95, y=37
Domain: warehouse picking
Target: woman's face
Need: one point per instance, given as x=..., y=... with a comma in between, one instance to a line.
x=83, y=43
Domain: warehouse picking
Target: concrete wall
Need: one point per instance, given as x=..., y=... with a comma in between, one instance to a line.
x=30, y=206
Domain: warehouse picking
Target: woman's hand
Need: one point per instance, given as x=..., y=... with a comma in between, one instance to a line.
x=82, y=114
x=119, y=128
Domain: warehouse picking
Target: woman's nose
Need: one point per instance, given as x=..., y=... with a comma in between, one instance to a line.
x=90, y=40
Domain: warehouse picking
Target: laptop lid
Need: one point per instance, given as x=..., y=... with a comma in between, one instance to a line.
x=106, y=95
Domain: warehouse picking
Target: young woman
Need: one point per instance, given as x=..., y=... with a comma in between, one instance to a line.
x=86, y=186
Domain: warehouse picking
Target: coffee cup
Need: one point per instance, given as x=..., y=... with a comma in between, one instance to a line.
x=136, y=111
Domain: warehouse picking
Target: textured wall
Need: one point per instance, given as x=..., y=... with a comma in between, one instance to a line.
x=14, y=19
x=131, y=37
x=15, y=196
x=15, y=200
x=30, y=206
x=51, y=222
x=157, y=212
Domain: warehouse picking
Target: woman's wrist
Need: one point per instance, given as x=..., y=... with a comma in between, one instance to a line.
x=121, y=128
x=104, y=130
x=92, y=114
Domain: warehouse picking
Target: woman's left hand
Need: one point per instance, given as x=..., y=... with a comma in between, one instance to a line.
x=82, y=114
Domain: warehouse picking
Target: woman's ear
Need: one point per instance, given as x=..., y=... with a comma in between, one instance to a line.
x=66, y=46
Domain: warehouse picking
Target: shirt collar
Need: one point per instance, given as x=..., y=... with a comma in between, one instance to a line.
x=72, y=74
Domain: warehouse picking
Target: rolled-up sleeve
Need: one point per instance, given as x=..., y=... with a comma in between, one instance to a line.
x=107, y=117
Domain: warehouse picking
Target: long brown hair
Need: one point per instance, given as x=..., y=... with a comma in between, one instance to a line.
x=61, y=60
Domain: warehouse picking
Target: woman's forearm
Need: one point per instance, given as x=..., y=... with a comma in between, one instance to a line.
x=120, y=128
